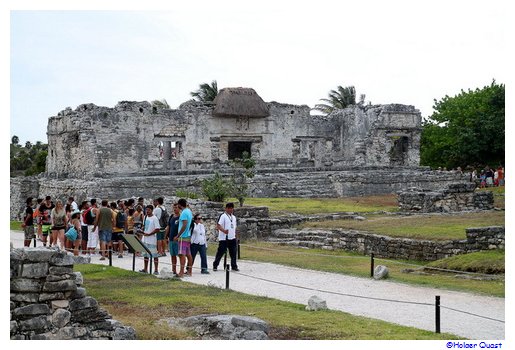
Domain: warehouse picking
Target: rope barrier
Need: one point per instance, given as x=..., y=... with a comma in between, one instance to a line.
x=329, y=292
x=470, y=313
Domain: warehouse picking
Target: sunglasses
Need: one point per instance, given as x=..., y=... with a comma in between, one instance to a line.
x=198, y=219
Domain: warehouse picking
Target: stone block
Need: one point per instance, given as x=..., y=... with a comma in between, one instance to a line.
x=255, y=335
x=59, y=286
x=14, y=327
x=83, y=303
x=34, y=324
x=60, y=270
x=79, y=280
x=124, y=333
x=61, y=318
x=71, y=333
x=50, y=296
x=55, y=278
x=31, y=310
x=40, y=254
x=251, y=323
x=77, y=294
x=59, y=304
x=316, y=303
x=79, y=259
x=35, y=270
x=25, y=297
x=25, y=285
x=61, y=259
x=89, y=315
x=380, y=272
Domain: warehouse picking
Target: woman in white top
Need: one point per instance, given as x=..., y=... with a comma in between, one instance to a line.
x=199, y=243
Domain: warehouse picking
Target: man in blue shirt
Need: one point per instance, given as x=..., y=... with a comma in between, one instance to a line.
x=172, y=232
x=184, y=236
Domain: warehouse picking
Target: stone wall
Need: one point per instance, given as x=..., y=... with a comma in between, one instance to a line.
x=456, y=197
x=309, y=182
x=136, y=137
x=22, y=187
x=389, y=247
x=48, y=302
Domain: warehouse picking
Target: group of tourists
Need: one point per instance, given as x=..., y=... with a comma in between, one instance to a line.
x=489, y=177
x=88, y=226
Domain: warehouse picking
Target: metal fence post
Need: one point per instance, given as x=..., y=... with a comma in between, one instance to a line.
x=437, y=313
x=239, y=249
x=110, y=257
x=372, y=265
x=227, y=276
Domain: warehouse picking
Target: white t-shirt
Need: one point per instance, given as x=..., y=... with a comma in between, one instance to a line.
x=228, y=222
x=151, y=223
x=198, y=235
x=74, y=206
x=157, y=213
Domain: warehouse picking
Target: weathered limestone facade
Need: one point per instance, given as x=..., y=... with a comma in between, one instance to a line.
x=48, y=302
x=456, y=197
x=138, y=138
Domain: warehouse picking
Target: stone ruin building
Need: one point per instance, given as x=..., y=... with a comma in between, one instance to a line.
x=140, y=149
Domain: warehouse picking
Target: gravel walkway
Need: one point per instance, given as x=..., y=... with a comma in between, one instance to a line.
x=259, y=279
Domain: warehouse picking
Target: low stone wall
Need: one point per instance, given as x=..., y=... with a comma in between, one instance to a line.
x=308, y=182
x=389, y=247
x=48, y=302
x=456, y=197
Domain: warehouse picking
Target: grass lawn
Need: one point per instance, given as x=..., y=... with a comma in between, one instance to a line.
x=368, y=204
x=359, y=265
x=140, y=300
x=432, y=227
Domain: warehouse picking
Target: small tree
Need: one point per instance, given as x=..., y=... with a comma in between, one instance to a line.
x=243, y=169
x=217, y=188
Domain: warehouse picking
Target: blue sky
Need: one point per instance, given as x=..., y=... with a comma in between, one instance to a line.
x=393, y=52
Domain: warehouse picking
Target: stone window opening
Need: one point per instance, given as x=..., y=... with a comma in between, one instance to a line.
x=236, y=149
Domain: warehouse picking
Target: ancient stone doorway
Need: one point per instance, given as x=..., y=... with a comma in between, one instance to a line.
x=236, y=149
x=399, y=150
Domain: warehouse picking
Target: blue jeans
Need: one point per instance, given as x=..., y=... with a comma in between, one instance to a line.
x=105, y=235
x=201, y=249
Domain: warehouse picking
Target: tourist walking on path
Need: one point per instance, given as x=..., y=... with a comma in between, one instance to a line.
x=120, y=220
x=227, y=237
x=28, y=223
x=150, y=229
x=104, y=221
x=59, y=222
x=84, y=227
x=184, y=236
x=172, y=232
x=199, y=244
x=75, y=222
x=162, y=216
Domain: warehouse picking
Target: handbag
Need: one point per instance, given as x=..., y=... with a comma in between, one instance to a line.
x=71, y=234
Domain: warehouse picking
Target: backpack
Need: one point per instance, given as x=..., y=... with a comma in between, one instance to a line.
x=120, y=219
x=87, y=217
x=163, y=220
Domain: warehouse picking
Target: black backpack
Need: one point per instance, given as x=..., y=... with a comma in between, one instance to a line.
x=120, y=219
x=165, y=217
x=88, y=217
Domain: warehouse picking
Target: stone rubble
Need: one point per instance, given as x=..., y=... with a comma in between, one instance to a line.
x=48, y=302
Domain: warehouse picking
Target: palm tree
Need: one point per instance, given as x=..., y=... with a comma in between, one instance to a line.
x=206, y=92
x=338, y=99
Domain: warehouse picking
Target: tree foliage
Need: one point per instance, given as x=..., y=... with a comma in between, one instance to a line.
x=206, y=92
x=27, y=160
x=160, y=104
x=467, y=129
x=340, y=98
x=243, y=170
x=217, y=188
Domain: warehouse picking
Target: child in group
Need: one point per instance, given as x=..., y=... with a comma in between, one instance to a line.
x=75, y=222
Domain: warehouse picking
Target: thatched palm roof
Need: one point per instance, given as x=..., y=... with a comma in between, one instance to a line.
x=239, y=102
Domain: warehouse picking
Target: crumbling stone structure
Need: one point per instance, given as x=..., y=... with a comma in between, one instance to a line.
x=484, y=238
x=456, y=197
x=48, y=302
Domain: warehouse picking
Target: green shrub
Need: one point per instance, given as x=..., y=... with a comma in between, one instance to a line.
x=217, y=188
x=186, y=194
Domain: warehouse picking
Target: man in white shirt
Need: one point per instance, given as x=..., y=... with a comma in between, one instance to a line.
x=227, y=236
x=151, y=227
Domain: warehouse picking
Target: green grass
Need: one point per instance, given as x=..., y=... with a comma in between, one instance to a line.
x=431, y=227
x=141, y=300
x=491, y=261
x=358, y=265
x=326, y=205
x=16, y=226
